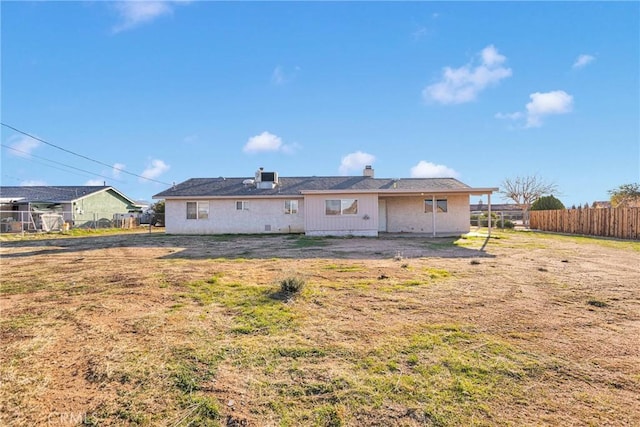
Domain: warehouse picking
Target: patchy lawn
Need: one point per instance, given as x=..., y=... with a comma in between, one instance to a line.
x=152, y=329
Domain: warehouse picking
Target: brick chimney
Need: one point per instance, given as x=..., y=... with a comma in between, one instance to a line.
x=368, y=171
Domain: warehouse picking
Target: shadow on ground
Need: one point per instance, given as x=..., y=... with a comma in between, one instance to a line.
x=292, y=246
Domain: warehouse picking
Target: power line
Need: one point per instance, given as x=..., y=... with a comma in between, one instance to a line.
x=59, y=163
x=82, y=156
x=55, y=167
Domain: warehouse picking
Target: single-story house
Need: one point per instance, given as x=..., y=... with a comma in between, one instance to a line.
x=35, y=207
x=319, y=206
x=606, y=204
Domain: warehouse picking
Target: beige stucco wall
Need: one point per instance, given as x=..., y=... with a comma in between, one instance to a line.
x=224, y=218
x=407, y=215
x=364, y=223
x=403, y=215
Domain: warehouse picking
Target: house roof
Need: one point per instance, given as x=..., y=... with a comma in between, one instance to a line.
x=52, y=194
x=296, y=186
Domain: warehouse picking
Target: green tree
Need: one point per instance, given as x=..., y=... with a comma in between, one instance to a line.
x=547, y=203
x=626, y=195
x=158, y=213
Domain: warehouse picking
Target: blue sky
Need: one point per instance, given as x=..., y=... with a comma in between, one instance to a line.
x=175, y=90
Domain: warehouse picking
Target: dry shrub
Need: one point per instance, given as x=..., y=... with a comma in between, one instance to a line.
x=292, y=285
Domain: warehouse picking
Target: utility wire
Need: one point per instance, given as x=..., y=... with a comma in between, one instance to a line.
x=80, y=155
x=28, y=155
x=55, y=167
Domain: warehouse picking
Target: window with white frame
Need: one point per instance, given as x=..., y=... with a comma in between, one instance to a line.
x=341, y=207
x=242, y=205
x=290, y=207
x=441, y=205
x=197, y=210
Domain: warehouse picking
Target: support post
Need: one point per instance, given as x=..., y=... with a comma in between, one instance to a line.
x=486, y=241
x=433, y=215
x=489, y=222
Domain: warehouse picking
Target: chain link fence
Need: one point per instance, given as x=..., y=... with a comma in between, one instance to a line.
x=499, y=219
x=40, y=221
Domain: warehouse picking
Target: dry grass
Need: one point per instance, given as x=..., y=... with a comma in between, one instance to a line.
x=176, y=331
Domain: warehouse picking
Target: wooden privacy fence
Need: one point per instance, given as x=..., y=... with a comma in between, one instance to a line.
x=622, y=223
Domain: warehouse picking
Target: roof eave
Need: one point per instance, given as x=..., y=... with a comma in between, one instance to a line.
x=386, y=192
x=482, y=191
x=230, y=196
x=404, y=192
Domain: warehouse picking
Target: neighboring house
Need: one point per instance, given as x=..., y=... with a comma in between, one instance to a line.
x=143, y=205
x=80, y=206
x=319, y=206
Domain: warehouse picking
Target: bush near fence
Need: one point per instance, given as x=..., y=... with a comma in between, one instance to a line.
x=622, y=223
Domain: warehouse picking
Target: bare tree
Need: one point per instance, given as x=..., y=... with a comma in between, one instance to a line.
x=524, y=190
x=626, y=195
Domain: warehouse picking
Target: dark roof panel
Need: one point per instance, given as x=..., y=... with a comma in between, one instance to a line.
x=236, y=187
x=60, y=194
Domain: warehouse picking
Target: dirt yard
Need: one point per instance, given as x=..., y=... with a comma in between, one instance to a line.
x=153, y=329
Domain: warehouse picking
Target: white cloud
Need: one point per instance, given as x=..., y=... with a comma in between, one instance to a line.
x=280, y=77
x=190, y=139
x=547, y=103
x=155, y=168
x=277, y=77
x=355, y=162
x=583, y=60
x=266, y=141
x=22, y=145
x=117, y=169
x=94, y=182
x=460, y=85
x=511, y=116
x=135, y=13
x=425, y=30
x=542, y=104
x=430, y=170
x=34, y=183
x=491, y=57
x=420, y=33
